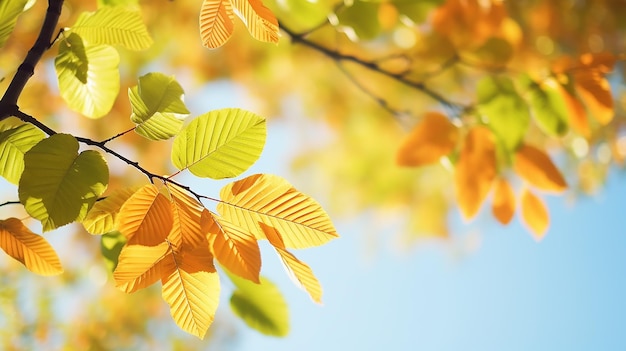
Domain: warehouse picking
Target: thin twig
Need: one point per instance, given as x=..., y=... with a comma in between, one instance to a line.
x=117, y=136
x=9, y=203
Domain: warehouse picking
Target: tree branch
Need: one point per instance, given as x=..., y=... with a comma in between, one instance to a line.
x=8, y=103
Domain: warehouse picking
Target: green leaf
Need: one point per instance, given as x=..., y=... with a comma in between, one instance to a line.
x=220, y=144
x=117, y=25
x=9, y=11
x=416, y=11
x=505, y=111
x=88, y=76
x=548, y=108
x=260, y=306
x=362, y=18
x=14, y=143
x=111, y=245
x=59, y=185
x=158, y=107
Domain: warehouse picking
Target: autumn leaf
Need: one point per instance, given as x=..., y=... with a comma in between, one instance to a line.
x=187, y=217
x=233, y=247
x=260, y=21
x=139, y=266
x=475, y=170
x=216, y=22
x=191, y=288
x=146, y=218
x=594, y=90
x=301, y=274
x=535, y=167
x=503, y=201
x=32, y=250
x=102, y=218
x=262, y=198
x=576, y=114
x=435, y=136
x=534, y=214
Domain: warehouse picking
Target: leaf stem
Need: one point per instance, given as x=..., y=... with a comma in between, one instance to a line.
x=10, y=203
x=117, y=135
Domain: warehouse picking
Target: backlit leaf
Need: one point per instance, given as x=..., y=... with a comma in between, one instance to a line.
x=301, y=274
x=260, y=21
x=59, y=185
x=9, y=11
x=535, y=167
x=158, y=107
x=475, y=170
x=262, y=198
x=435, y=136
x=417, y=11
x=233, y=247
x=14, y=143
x=140, y=266
x=30, y=249
x=192, y=289
x=361, y=19
x=102, y=217
x=548, y=107
x=187, y=216
x=506, y=112
x=216, y=22
x=88, y=76
x=503, y=201
x=594, y=90
x=113, y=25
x=261, y=306
x=534, y=214
x=576, y=114
x=111, y=245
x=146, y=218
x=220, y=144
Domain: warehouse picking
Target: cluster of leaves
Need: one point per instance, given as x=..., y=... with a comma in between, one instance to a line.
x=160, y=230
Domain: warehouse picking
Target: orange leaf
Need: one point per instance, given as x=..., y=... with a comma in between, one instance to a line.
x=146, y=217
x=233, y=247
x=301, y=274
x=216, y=22
x=139, y=266
x=595, y=91
x=261, y=22
x=191, y=288
x=535, y=167
x=535, y=214
x=576, y=112
x=32, y=250
x=475, y=170
x=503, y=201
x=601, y=62
x=431, y=139
x=187, y=214
x=269, y=199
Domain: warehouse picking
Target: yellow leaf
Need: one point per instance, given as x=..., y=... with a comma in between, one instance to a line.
x=503, y=201
x=301, y=274
x=534, y=214
x=535, y=167
x=261, y=22
x=187, y=214
x=146, y=218
x=261, y=198
x=216, y=22
x=595, y=91
x=431, y=139
x=475, y=170
x=139, y=266
x=29, y=248
x=191, y=288
x=102, y=217
x=576, y=112
x=233, y=247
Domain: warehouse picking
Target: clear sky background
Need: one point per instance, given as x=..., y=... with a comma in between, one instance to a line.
x=510, y=293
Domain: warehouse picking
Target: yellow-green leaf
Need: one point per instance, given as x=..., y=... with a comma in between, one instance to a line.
x=260, y=306
x=216, y=22
x=435, y=136
x=191, y=288
x=158, y=107
x=233, y=247
x=535, y=167
x=534, y=214
x=146, y=218
x=14, y=143
x=111, y=245
x=59, y=185
x=548, y=107
x=220, y=144
x=102, y=217
x=260, y=21
x=113, y=25
x=30, y=249
x=262, y=198
x=9, y=11
x=140, y=266
x=88, y=76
